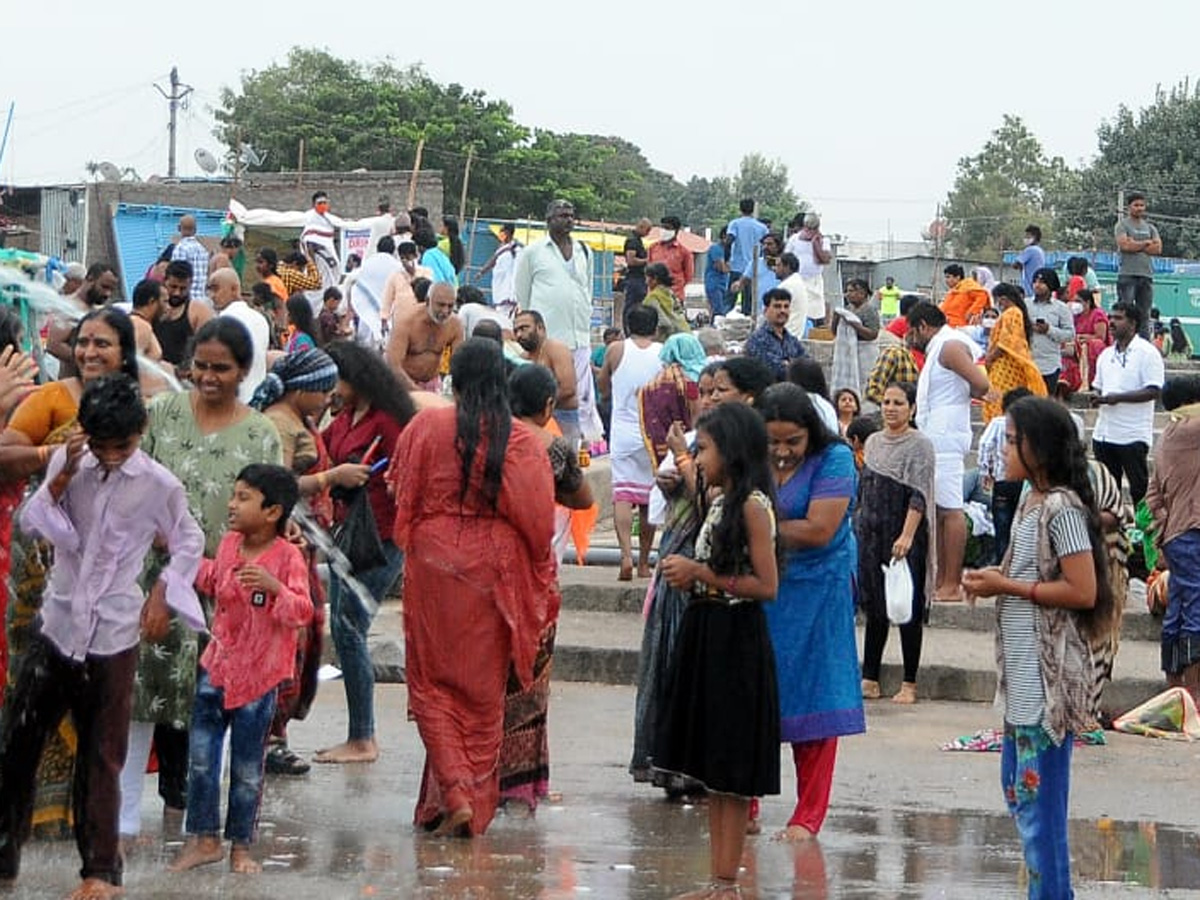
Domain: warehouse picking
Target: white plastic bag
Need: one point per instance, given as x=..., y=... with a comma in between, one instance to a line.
x=898, y=591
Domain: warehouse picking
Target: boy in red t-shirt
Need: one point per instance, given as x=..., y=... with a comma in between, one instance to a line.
x=260, y=583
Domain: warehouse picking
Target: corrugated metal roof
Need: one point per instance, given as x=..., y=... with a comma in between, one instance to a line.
x=143, y=231
x=64, y=223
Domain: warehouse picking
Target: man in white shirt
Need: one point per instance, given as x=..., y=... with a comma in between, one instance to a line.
x=950, y=379
x=225, y=291
x=555, y=276
x=365, y=290
x=787, y=268
x=1129, y=378
x=503, y=266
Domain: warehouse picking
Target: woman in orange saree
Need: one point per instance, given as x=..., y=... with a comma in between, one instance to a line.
x=475, y=518
x=1009, y=360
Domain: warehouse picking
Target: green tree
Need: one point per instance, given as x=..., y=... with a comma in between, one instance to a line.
x=353, y=116
x=766, y=180
x=1008, y=185
x=1155, y=150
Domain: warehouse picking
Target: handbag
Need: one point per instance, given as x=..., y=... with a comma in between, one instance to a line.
x=357, y=536
x=898, y=591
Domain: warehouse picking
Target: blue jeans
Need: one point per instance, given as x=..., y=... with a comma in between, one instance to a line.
x=349, y=624
x=1181, y=622
x=248, y=726
x=1036, y=778
x=1005, y=497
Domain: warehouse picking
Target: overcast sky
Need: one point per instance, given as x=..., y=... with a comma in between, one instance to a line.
x=870, y=105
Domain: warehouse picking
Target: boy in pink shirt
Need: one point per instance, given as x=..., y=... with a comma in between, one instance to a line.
x=260, y=583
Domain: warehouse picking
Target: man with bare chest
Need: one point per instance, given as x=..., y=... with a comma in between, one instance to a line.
x=529, y=328
x=421, y=335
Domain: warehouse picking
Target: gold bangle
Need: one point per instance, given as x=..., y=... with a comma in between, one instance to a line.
x=322, y=480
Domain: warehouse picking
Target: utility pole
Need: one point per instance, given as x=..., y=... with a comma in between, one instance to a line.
x=462, y=200
x=179, y=91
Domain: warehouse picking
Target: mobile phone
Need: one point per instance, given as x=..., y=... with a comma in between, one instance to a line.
x=1040, y=321
x=379, y=465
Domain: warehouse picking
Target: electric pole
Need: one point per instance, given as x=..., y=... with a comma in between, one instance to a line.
x=179, y=91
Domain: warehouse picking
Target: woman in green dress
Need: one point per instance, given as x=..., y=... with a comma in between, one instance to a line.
x=205, y=436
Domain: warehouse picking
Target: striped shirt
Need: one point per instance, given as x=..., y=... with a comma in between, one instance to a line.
x=194, y=253
x=1019, y=616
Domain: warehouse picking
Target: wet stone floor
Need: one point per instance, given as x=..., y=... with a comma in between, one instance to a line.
x=345, y=832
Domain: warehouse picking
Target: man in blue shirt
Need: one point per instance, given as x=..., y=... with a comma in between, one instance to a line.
x=1031, y=258
x=716, y=276
x=771, y=342
x=742, y=235
x=759, y=275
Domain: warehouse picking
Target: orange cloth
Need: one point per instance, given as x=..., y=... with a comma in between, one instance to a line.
x=967, y=299
x=1014, y=366
x=477, y=580
x=583, y=521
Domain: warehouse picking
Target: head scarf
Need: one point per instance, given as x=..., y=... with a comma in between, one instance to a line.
x=686, y=350
x=311, y=369
x=984, y=276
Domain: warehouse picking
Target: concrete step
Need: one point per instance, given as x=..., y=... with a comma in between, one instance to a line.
x=596, y=589
x=956, y=665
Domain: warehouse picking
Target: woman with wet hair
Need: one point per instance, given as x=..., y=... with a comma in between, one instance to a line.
x=467, y=478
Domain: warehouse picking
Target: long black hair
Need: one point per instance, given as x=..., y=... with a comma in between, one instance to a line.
x=1045, y=429
x=787, y=402
x=300, y=314
x=1016, y=297
x=366, y=372
x=458, y=256
x=481, y=393
x=740, y=437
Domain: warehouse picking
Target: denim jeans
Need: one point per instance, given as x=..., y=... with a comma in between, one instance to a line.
x=349, y=624
x=248, y=726
x=1036, y=778
x=1005, y=497
x=1181, y=623
x=1138, y=290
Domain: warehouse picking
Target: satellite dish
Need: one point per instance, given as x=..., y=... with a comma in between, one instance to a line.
x=206, y=160
x=251, y=157
x=108, y=171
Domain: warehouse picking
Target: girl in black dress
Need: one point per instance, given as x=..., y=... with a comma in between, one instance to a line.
x=721, y=722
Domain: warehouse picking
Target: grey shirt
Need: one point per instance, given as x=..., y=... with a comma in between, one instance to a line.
x=1047, y=348
x=1139, y=230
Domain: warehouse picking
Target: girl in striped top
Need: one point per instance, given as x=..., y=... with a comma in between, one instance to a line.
x=1051, y=586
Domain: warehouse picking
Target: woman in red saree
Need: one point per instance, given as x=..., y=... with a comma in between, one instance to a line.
x=475, y=518
x=1091, y=331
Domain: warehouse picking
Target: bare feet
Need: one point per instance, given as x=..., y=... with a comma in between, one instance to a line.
x=95, y=889
x=359, y=751
x=626, y=573
x=795, y=834
x=644, y=570
x=870, y=689
x=131, y=843
x=198, y=851
x=952, y=594
x=241, y=862
x=454, y=821
x=907, y=695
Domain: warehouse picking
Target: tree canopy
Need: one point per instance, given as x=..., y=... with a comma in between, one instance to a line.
x=1011, y=182
x=351, y=115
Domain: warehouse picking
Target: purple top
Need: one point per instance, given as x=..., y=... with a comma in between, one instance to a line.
x=101, y=529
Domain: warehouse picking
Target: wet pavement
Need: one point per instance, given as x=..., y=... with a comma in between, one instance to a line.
x=907, y=821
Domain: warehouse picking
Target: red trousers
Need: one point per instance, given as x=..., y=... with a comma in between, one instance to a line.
x=814, y=780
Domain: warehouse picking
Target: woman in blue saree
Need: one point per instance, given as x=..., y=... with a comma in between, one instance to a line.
x=812, y=621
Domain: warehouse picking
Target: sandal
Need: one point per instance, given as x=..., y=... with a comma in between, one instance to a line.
x=870, y=689
x=282, y=761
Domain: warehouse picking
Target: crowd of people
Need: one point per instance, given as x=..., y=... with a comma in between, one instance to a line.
x=167, y=558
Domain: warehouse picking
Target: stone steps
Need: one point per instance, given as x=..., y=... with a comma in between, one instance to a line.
x=600, y=632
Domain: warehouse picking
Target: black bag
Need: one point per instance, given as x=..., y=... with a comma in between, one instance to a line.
x=358, y=537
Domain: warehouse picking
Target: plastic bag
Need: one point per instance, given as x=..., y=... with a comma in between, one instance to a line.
x=1170, y=715
x=358, y=537
x=898, y=591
